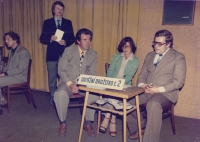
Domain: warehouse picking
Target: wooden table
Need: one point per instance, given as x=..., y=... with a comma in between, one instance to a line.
x=128, y=93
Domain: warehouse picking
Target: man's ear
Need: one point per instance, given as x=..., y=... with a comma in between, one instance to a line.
x=78, y=41
x=168, y=44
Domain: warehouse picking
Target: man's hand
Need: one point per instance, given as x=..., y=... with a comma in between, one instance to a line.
x=2, y=74
x=53, y=38
x=151, y=90
x=62, y=42
x=73, y=88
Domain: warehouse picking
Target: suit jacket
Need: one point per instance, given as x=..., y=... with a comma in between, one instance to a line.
x=69, y=64
x=129, y=71
x=169, y=73
x=54, y=49
x=17, y=65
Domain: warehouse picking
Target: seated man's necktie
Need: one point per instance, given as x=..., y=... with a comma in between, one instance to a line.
x=58, y=26
x=81, y=59
x=159, y=58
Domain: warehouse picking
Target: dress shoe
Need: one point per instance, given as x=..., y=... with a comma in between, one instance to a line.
x=135, y=135
x=90, y=130
x=62, y=130
x=3, y=101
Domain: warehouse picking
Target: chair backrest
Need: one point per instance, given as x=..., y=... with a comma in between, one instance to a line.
x=106, y=67
x=29, y=71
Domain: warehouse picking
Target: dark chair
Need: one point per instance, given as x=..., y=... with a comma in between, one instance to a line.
x=106, y=67
x=168, y=111
x=80, y=103
x=20, y=88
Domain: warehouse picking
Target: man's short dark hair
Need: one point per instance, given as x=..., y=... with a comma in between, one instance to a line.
x=13, y=35
x=123, y=42
x=167, y=34
x=54, y=5
x=83, y=31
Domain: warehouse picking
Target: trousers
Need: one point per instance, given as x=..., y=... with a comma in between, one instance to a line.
x=61, y=99
x=153, y=125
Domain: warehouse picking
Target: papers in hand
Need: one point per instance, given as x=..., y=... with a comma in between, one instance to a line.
x=115, y=103
x=59, y=35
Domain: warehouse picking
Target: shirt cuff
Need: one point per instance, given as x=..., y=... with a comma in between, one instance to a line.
x=140, y=84
x=161, y=89
x=69, y=83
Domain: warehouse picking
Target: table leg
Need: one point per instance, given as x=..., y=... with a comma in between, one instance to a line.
x=124, y=118
x=83, y=116
x=138, y=116
x=99, y=117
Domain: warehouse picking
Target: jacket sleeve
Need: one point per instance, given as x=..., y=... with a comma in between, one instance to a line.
x=142, y=78
x=23, y=60
x=111, y=68
x=69, y=34
x=45, y=36
x=178, y=76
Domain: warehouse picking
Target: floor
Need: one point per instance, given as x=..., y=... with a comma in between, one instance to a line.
x=26, y=124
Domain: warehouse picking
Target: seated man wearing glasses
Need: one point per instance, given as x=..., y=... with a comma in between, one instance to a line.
x=162, y=75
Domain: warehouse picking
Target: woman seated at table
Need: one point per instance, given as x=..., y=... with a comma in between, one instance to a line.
x=124, y=66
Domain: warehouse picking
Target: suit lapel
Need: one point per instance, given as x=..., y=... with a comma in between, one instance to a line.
x=86, y=58
x=76, y=56
x=150, y=65
x=128, y=67
x=119, y=62
x=168, y=57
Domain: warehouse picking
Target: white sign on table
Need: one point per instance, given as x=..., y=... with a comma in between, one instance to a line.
x=99, y=81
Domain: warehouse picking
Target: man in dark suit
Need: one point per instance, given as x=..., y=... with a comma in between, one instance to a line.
x=76, y=60
x=17, y=67
x=162, y=75
x=55, y=48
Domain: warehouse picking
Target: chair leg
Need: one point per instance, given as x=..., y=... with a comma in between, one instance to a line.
x=81, y=107
x=8, y=100
x=27, y=96
x=31, y=97
x=172, y=120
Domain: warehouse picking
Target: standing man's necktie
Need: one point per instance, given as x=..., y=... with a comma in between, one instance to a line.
x=159, y=58
x=81, y=59
x=58, y=26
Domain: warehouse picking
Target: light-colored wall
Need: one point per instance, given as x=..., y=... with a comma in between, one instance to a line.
x=186, y=41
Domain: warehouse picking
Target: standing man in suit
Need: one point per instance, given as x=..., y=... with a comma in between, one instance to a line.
x=17, y=67
x=162, y=75
x=76, y=60
x=54, y=48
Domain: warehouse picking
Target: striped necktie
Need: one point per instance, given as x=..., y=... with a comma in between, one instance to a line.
x=81, y=59
x=159, y=58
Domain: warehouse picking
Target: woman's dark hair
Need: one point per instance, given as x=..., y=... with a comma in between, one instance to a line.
x=13, y=35
x=54, y=5
x=123, y=42
x=83, y=31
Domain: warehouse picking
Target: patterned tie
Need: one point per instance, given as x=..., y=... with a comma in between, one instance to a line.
x=58, y=26
x=159, y=58
x=81, y=59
